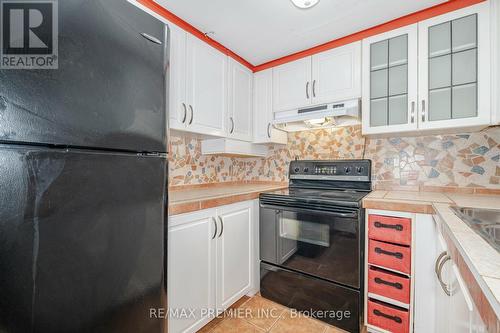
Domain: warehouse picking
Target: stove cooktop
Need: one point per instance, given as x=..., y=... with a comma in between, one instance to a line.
x=351, y=198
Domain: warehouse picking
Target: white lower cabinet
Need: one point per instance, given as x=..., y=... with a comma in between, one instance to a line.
x=447, y=301
x=210, y=266
x=234, y=254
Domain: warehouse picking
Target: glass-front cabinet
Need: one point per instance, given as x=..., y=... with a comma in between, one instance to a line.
x=430, y=75
x=390, y=81
x=454, y=69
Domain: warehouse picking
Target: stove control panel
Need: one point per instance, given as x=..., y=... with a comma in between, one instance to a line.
x=348, y=170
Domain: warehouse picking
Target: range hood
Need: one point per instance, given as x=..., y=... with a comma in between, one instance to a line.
x=346, y=113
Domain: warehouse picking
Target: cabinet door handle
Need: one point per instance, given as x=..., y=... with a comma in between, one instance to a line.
x=398, y=255
x=307, y=89
x=438, y=261
x=192, y=114
x=185, y=113
x=423, y=110
x=381, y=314
x=215, y=224
x=232, y=125
x=443, y=261
x=269, y=130
x=412, y=112
x=314, y=88
x=381, y=225
x=396, y=285
x=221, y=226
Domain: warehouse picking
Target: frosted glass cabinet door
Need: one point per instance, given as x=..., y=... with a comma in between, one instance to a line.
x=390, y=81
x=454, y=69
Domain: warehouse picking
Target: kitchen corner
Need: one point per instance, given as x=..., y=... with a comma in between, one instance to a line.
x=477, y=261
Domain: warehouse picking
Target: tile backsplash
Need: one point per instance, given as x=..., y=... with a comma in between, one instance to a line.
x=457, y=160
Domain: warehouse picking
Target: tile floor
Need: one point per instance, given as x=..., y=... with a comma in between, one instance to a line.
x=258, y=315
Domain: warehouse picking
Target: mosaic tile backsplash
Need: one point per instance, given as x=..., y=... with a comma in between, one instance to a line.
x=458, y=160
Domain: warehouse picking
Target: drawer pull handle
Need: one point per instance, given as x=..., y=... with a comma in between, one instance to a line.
x=381, y=314
x=398, y=227
x=398, y=255
x=396, y=285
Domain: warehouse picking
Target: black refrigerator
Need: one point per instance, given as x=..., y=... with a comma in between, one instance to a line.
x=83, y=177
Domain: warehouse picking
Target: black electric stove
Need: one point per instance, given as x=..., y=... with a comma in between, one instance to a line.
x=312, y=241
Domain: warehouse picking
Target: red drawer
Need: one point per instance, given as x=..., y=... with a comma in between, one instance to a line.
x=390, y=229
x=387, y=317
x=388, y=284
x=390, y=256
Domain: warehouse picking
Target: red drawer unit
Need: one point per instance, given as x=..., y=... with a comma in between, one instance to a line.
x=390, y=256
x=390, y=229
x=388, y=284
x=390, y=318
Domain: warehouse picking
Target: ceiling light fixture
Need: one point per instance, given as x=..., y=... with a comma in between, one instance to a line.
x=305, y=4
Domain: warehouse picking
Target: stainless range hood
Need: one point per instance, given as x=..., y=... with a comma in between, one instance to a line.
x=345, y=113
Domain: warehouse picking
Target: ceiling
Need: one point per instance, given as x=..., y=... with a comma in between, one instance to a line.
x=264, y=30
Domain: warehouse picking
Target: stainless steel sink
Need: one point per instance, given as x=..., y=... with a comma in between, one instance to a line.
x=485, y=222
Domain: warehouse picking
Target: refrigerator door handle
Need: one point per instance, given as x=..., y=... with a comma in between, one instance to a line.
x=151, y=38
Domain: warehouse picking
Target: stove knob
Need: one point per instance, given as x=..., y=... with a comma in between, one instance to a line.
x=306, y=170
x=347, y=169
x=296, y=170
x=360, y=169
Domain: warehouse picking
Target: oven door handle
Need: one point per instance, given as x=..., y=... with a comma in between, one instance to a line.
x=297, y=209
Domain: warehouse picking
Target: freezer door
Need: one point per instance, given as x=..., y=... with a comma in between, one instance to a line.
x=81, y=241
x=109, y=90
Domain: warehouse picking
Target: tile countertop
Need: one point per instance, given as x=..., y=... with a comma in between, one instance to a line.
x=482, y=260
x=185, y=199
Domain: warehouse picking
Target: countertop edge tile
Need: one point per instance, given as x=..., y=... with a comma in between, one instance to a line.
x=419, y=207
x=231, y=193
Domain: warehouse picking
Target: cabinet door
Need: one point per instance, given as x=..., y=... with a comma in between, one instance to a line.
x=292, y=85
x=336, y=74
x=191, y=269
x=178, y=109
x=206, y=88
x=234, y=253
x=264, y=132
x=390, y=81
x=454, y=69
x=240, y=102
x=442, y=300
x=461, y=306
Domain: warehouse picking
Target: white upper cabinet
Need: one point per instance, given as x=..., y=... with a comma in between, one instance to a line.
x=240, y=117
x=432, y=75
x=178, y=110
x=326, y=77
x=454, y=69
x=292, y=85
x=390, y=81
x=264, y=132
x=336, y=74
x=206, y=83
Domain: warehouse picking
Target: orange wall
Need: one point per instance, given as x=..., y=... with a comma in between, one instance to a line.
x=424, y=14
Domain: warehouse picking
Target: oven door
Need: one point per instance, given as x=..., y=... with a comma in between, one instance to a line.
x=322, y=243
